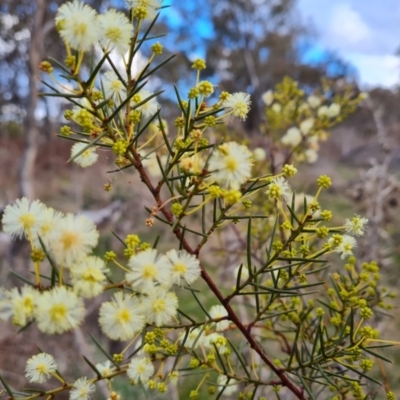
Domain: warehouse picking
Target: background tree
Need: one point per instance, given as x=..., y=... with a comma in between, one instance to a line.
x=28, y=33
x=251, y=45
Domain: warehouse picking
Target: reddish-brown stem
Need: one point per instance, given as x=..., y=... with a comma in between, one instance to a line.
x=284, y=379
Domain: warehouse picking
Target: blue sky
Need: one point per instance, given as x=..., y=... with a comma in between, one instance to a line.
x=366, y=33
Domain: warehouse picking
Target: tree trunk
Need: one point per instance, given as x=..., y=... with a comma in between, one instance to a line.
x=31, y=132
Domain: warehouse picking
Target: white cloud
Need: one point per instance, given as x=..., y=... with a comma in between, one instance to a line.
x=377, y=70
x=365, y=33
x=347, y=26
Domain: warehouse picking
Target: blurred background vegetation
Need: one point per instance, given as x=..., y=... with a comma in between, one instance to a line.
x=250, y=46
